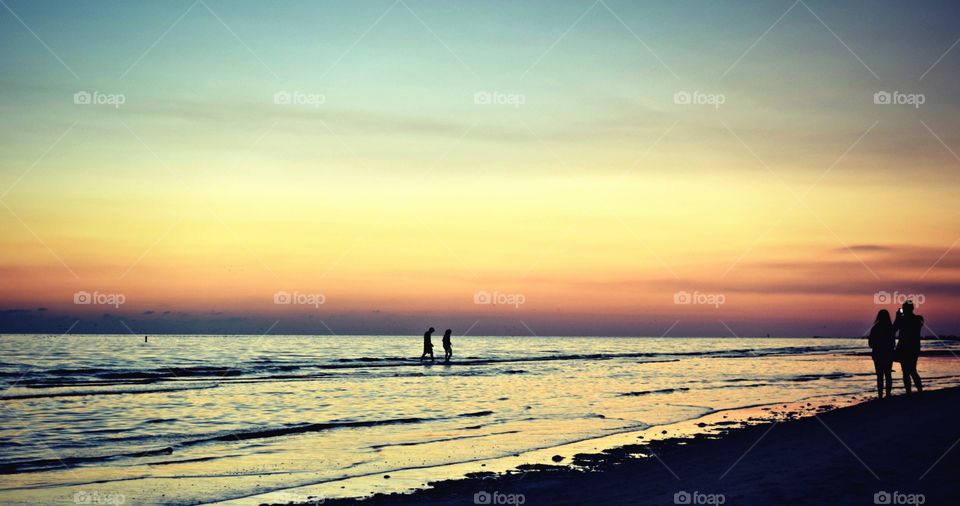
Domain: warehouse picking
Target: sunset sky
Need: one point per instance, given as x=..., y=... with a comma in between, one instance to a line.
x=399, y=160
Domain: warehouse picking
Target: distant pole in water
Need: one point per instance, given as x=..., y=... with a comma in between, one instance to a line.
x=144, y=338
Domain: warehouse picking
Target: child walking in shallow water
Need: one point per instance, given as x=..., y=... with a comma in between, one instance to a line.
x=447, y=348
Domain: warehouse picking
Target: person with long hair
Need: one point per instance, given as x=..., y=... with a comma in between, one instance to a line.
x=909, y=327
x=882, y=345
x=447, y=347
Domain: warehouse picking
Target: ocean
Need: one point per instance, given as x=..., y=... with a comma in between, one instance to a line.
x=201, y=419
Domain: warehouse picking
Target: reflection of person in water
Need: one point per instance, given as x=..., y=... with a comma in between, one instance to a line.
x=447, y=348
x=909, y=326
x=882, y=344
x=427, y=344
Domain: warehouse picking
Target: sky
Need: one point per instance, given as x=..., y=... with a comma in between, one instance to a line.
x=679, y=168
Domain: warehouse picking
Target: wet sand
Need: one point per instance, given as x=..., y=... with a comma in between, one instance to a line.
x=854, y=455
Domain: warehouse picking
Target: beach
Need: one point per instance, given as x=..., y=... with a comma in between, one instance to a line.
x=249, y=420
x=894, y=451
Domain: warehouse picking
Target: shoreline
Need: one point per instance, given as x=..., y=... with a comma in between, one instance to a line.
x=847, y=460
x=579, y=454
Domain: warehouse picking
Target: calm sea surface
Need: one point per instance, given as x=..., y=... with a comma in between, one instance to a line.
x=189, y=419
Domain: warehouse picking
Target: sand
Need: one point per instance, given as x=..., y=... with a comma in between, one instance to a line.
x=900, y=450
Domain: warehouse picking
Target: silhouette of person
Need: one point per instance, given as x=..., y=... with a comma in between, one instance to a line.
x=427, y=344
x=882, y=344
x=909, y=326
x=447, y=348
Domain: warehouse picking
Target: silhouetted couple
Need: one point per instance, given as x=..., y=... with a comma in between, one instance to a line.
x=428, y=345
x=897, y=341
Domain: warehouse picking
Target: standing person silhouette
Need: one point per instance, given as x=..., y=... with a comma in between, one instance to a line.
x=427, y=344
x=909, y=326
x=882, y=344
x=447, y=348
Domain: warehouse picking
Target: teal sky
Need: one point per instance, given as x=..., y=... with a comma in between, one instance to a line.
x=413, y=66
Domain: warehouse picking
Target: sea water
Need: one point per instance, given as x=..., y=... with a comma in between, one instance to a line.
x=193, y=419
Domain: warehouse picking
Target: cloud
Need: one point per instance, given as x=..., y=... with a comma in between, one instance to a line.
x=15, y=311
x=343, y=120
x=867, y=248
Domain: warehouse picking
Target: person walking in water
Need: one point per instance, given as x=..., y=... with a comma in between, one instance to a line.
x=882, y=344
x=447, y=348
x=909, y=326
x=427, y=344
